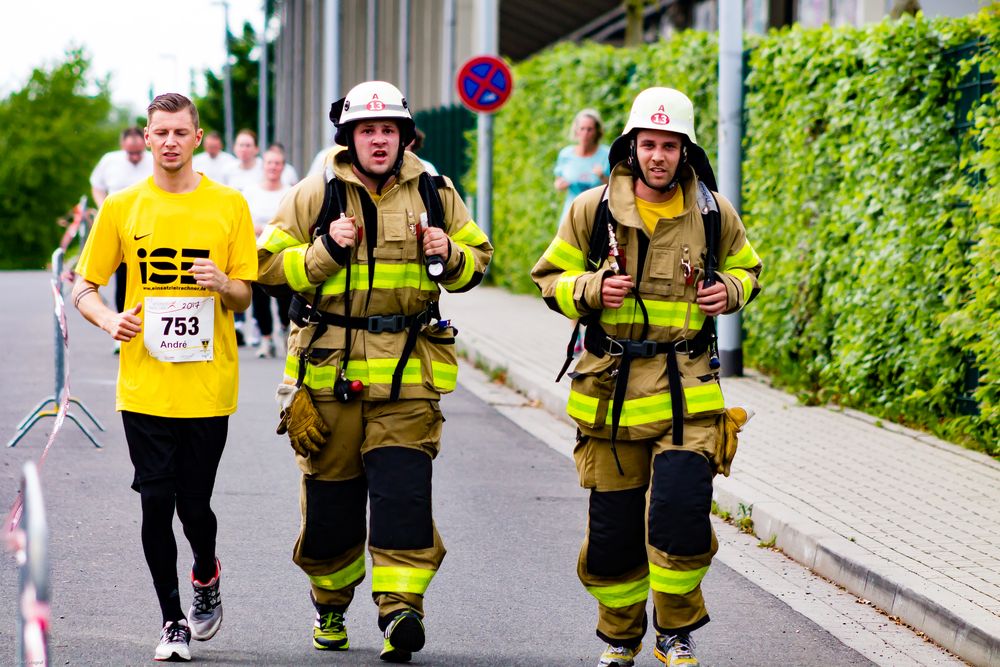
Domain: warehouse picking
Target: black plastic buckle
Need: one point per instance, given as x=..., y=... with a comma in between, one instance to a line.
x=386, y=323
x=640, y=348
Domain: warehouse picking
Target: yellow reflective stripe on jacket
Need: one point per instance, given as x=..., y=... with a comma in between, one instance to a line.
x=372, y=371
x=677, y=582
x=747, y=257
x=387, y=276
x=704, y=397
x=564, y=255
x=582, y=407
x=379, y=371
x=621, y=595
x=648, y=409
x=400, y=579
x=565, y=287
x=470, y=234
x=275, y=240
x=341, y=578
x=661, y=314
x=468, y=269
x=645, y=410
x=745, y=279
x=445, y=375
x=294, y=263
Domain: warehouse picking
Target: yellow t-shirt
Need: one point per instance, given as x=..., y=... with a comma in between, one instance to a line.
x=157, y=234
x=652, y=212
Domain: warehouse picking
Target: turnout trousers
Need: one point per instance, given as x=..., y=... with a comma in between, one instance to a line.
x=380, y=451
x=648, y=529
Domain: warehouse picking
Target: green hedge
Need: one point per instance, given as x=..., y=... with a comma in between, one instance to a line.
x=880, y=253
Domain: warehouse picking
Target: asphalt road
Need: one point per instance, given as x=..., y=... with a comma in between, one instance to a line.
x=508, y=507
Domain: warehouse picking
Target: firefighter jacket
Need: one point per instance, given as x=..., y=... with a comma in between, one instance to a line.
x=394, y=283
x=571, y=287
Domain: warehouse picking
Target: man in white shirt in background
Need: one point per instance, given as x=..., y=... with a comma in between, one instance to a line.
x=247, y=170
x=116, y=171
x=213, y=161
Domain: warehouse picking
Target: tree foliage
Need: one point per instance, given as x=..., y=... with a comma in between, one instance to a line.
x=52, y=132
x=245, y=73
x=880, y=253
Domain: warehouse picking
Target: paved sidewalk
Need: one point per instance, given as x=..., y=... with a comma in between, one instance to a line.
x=899, y=518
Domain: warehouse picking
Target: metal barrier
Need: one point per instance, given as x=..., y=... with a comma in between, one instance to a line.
x=61, y=399
x=30, y=545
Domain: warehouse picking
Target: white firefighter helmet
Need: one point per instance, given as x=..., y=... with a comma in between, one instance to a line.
x=654, y=109
x=372, y=100
x=662, y=109
x=668, y=110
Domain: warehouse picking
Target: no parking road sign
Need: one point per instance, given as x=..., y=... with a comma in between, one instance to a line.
x=485, y=83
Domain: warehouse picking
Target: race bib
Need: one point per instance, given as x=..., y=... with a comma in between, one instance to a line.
x=179, y=328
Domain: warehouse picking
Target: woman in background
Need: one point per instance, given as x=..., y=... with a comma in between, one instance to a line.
x=583, y=165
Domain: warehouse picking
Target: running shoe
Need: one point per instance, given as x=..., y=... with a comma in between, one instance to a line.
x=675, y=650
x=403, y=637
x=329, y=630
x=619, y=656
x=206, y=609
x=174, y=642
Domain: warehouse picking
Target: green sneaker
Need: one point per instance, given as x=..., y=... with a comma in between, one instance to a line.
x=329, y=632
x=619, y=656
x=675, y=650
x=404, y=636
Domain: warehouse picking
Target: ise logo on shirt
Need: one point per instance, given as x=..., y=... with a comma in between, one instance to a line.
x=160, y=266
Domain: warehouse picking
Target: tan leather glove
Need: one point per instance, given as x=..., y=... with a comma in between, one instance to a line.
x=306, y=429
x=731, y=422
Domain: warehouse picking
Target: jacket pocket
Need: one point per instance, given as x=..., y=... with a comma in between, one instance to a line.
x=700, y=384
x=395, y=240
x=438, y=358
x=591, y=391
x=663, y=273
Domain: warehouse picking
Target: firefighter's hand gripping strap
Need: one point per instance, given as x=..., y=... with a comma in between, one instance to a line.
x=731, y=422
x=306, y=429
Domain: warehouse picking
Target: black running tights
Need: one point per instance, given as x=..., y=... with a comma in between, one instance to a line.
x=158, y=544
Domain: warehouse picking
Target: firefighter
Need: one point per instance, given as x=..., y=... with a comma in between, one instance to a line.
x=368, y=359
x=645, y=393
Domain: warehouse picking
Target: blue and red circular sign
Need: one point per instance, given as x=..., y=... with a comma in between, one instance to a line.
x=485, y=83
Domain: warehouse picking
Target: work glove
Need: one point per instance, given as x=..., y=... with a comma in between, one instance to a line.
x=306, y=429
x=731, y=422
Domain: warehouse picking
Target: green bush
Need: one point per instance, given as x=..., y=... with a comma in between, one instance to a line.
x=852, y=196
x=52, y=132
x=880, y=253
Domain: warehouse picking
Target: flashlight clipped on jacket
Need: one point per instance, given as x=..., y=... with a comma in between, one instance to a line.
x=433, y=263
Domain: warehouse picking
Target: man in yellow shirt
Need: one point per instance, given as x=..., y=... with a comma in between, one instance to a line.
x=188, y=243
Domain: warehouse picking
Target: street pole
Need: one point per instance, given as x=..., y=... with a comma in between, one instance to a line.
x=263, y=83
x=227, y=82
x=730, y=156
x=489, y=18
x=331, y=58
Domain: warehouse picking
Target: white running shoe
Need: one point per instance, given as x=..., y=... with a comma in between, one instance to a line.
x=174, y=642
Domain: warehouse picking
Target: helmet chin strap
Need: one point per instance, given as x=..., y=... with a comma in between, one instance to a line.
x=637, y=172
